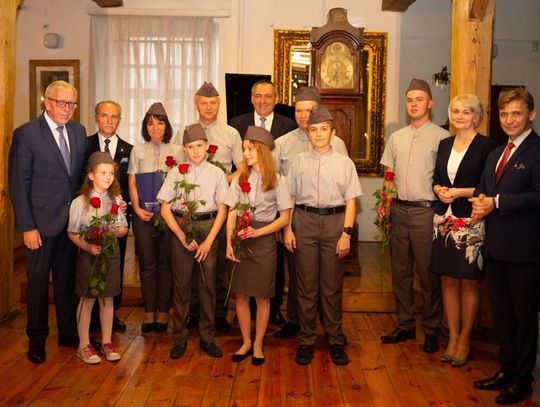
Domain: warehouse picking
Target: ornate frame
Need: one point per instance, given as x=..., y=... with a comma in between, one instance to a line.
x=376, y=44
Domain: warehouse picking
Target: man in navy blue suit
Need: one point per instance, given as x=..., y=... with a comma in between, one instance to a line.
x=509, y=198
x=46, y=163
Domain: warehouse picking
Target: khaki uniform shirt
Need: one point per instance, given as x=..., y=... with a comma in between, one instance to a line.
x=81, y=213
x=149, y=157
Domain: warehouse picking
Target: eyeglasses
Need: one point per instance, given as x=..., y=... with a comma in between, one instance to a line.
x=63, y=103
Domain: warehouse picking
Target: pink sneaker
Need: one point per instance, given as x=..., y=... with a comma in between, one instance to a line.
x=88, y=355
x=110, y=352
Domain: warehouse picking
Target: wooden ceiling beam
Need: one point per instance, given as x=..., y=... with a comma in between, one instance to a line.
x=396, y=5
x=109, y=3
x=477, y=9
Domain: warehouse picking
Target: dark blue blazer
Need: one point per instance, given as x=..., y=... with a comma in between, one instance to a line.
x=513, y=230
x=280, y=125
x=41, y=186
x=468, y=173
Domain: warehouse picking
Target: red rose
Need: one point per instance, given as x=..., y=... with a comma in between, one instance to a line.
x=389, y=176
x=114, y=209
x=94, y=235
x=245, y=187
x=459, y=223
x=212, y=149
x=95, y=202
x=170, y=161
x=183, y=168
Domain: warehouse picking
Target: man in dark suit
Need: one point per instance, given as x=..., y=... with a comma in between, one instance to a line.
x=509, y=198
x=46, y=164
x=264, y=98
x=108, y=115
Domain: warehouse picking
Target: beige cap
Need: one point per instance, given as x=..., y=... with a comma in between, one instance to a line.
x=259, y=134
x=193, y=133
x=207, y=90
x=322, y=114
x=99, y=157
x=157, y=109
x=308, y=93
x=419, y=84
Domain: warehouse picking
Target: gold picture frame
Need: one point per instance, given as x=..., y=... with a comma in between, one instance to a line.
x=375, y=44
x=43, y=72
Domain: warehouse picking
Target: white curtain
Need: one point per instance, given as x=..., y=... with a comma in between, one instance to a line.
x=139, y=60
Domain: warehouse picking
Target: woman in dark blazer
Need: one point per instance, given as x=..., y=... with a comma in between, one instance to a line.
x=457, y=241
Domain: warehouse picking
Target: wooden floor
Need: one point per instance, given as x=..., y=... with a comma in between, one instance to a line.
x=378, y=375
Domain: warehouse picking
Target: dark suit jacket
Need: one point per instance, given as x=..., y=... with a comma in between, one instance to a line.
x=280, y=125
x=121, y=156
x=40, y=185
x=468, y=173
x=513, y=230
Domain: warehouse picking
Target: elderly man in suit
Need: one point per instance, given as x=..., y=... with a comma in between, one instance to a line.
x=108, y=115
x=264, y=98
x=46, y=164
x=508, y=196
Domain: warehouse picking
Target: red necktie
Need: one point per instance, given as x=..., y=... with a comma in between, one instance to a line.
x=504, y=159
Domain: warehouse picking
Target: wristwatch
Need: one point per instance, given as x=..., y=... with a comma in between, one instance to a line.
x=349, y=231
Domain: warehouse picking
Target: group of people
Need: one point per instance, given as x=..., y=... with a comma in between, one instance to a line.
x=464, y=208
x=239, y=201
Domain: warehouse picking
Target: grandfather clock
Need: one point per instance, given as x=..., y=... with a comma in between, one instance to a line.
x=336, y=70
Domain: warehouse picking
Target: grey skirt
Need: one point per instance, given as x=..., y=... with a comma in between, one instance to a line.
x=85, y=268
x=255, y=275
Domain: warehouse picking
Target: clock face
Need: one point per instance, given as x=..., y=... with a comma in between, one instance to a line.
x=337, y=67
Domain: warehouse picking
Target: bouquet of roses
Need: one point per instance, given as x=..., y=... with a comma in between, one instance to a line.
x=245, y=209
x=101, y=233
x=385, y=196
x=212, y=148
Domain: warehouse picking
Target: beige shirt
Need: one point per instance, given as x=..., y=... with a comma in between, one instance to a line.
x=412, y=153
x=81, y=213
x=323, y=180
x=149, y=157
x=295, y=142
x=211, y=187
x=266, y=203
x=225, y=137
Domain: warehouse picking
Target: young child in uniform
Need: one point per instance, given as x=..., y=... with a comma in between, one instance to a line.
x=199, y=255
x=254, y=275
x=100, y=195
x=324, y=186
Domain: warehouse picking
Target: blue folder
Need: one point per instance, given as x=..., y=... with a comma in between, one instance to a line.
x=148, y=186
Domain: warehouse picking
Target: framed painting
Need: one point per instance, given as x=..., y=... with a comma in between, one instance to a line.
x=45, y=71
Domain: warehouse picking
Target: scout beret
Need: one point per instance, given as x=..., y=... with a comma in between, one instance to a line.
x=419, y=84
x=157, y=109
x=207, y=90
x=259, y=134
x=193, y=133
x=322, y=114
x=308, y=93
x=99, y=157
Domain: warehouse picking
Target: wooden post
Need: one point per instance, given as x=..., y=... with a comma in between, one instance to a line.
x=8, y=15
x=472, y=39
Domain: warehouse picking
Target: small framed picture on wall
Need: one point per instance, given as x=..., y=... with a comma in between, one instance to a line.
x=45, y=71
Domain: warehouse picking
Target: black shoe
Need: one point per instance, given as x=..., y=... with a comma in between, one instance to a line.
x=95, y=344
x=148, y=327
x=237, y=358
x=36, y=351
x=178, y=351
x=431, y=343
x=257, y=361
x=276, y=318
x=211, y=349
x=496, y=382
x=191, y=321
x=304, y=355
x=68, y=341
x=159, y=327
x=398, y=335
x=288, y=331
x=338, y=355
x=514, y=393
x=221, y=324
x=118, y=325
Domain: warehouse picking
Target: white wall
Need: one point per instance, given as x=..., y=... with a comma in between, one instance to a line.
x=419, y=45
